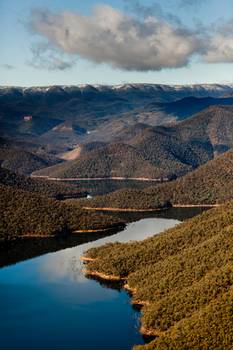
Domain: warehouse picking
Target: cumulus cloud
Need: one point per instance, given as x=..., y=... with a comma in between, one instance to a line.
x=220, y=45
x=140, y=43
x=143, y=10
x=46, y=57
x=113, y=37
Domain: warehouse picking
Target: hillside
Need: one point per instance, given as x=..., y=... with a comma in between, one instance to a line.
x=89, y=106
x=183, y=278
x=46, y=188
x=14, y=125
x=109, y=161
x=165, y=150
x=211, y=128
x=22, y=161
x=118, y=160
x=142, y=151
x=211, y=183
x=81, y=149
x=186, y=107
x=26, y=214
x=126, y=198
x=207, y=133
x=62, y=136
x=153, y=114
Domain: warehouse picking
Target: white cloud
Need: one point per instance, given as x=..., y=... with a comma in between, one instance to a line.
x=142, y=10
x=220, y=45
x=113, y=37
x=140, y=43
x=47, y=57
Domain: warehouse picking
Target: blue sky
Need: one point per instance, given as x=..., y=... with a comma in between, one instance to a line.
x=23, y=34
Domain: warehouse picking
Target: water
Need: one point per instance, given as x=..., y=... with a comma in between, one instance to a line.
x=47, y=302
x=99, y=187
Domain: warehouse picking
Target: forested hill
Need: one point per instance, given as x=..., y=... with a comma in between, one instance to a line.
x=142, y=151
x=182, y=277
x=127, y=198
x=43, y=187
x=212, y=127
x=211, y=183
x=122, y=160
x=19, y=160
x=27, y=214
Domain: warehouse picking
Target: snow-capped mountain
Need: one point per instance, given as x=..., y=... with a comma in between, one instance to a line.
x=157, y=91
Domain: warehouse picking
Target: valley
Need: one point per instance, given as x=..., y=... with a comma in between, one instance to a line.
x=83, y=166
x=140, y=164
x=116, y=175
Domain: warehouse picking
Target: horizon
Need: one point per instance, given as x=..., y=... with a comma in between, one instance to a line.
x=180, y=42
x=113, y=85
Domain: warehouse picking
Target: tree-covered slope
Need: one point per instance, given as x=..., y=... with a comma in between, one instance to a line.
x=154, y=152
x=20, y=160
x=165, y=150
x=210, y=129
x=25, y=213
x=46, y=188
x=186, y=107
x=114, y=160
x=184, y=279
x=126, y=198
x=150, y=154
x=211, y=183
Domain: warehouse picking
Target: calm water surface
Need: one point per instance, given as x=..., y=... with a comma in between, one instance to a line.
x=47, y=302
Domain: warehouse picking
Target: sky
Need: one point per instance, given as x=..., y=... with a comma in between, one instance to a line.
x=57, y=42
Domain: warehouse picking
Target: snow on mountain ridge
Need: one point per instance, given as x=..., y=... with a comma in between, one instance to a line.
x=126, y=87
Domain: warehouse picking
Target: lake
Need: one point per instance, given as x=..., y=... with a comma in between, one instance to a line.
x=100, y=187
x=46, y=302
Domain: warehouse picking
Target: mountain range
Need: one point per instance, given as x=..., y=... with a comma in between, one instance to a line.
x=180, y=136
x=143, y=151
x=66, y=115
x=129, y=131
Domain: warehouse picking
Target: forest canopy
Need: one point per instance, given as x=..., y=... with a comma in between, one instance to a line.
x=182, y=277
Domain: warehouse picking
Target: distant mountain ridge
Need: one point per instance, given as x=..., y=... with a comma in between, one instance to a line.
x=187, y=106
x=39, y=114
x=115, y=131
x=215, y=88
x=142, y=151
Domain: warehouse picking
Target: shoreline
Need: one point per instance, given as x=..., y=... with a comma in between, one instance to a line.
x=107, y=229
x=27, y=236
x=125, y=209
x=102, y=275
x=150, y=332
x=86, y=259
x=150, y=209
x=196, y=205
x=105, y=277
x=116, y=178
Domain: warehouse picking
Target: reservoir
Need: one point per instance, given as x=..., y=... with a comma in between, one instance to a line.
x=46, y=302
